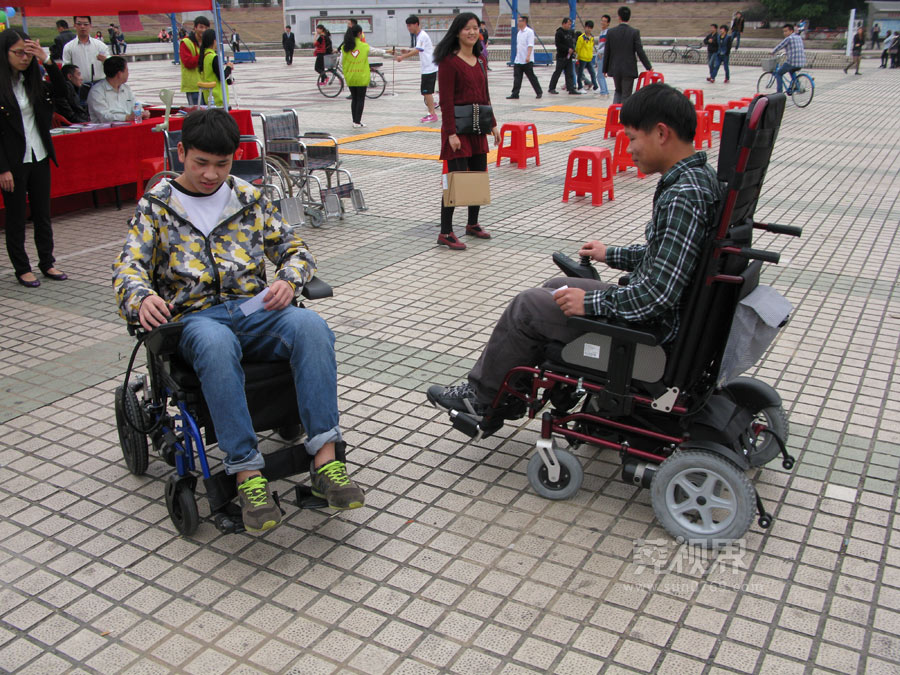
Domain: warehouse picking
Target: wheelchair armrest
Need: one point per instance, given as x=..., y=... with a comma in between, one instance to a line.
x=614, y=330
x=163, y=340
x=316, y=289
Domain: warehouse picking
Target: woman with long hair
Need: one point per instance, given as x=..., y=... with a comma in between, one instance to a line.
x=26, y=113
x=462, y=79
x=208, y=65
x=355, y=64
x=322, y=47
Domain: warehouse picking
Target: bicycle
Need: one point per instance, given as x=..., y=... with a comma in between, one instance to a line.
x=688, y=54
x=331, y=83
x=801, y=88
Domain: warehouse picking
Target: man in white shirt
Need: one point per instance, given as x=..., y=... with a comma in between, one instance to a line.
x=111, y=100
x=425, y=49
x=524, y=63
x=87, y=53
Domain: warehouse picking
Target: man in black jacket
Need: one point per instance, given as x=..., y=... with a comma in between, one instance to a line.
x=565, y=47
x=65, y=35
x=623, y=44
x=289, y=44
x=70, y=106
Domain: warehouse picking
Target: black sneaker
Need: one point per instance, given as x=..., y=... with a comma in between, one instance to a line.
x=512, y=96
x=460, y=397
x=331, y=482
x=258, y=508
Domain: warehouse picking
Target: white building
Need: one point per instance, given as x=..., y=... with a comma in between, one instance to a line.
x=382, y=21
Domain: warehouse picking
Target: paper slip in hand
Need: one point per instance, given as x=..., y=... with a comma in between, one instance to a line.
x=255, y=303
x=561, y=288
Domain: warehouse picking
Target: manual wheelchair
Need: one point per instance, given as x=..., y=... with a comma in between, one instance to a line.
x=142, y=415
x=681, y=430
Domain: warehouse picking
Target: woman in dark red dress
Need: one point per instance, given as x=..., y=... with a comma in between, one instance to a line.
x=462, y=78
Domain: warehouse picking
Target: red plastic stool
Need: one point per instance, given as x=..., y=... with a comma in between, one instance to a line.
x=621, y=157
x=589, y=176
x=716, y=122
x=649, y=77
x=737, y=104
x=518, y=149
x=696, y=95
x=613, y=125
x=703, y=132
x=147, y=168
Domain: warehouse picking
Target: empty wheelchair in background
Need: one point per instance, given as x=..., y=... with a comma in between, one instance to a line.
x=680, y=430
x=313, y=162
x=260, y=171
x=166, y=410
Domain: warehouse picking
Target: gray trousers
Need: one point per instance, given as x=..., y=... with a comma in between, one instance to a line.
x=530, y=321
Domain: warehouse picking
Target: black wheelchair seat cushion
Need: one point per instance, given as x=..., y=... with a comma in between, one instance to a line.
x=268, y=372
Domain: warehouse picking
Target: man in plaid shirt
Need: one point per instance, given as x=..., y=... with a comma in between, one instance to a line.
x=660, y=123
x=795, y=54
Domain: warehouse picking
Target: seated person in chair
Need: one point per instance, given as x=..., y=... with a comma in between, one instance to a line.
x=660, y=123
x=196, y=250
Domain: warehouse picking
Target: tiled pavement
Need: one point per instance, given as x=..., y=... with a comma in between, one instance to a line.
x=455, y=565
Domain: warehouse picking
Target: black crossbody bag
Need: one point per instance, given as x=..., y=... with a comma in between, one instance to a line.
x=474, y=118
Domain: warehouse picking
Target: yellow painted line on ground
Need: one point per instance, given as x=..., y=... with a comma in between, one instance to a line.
x=592, y=119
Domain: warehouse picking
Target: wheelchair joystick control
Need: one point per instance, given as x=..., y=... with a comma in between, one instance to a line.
x=585, y=261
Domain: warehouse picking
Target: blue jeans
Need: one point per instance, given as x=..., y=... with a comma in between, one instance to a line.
x=582, y=65
x=721, y=60
x=780, y=72
x=214, y=341
x=193, y=97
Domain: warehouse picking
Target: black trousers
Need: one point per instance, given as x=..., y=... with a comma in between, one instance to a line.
x=563, y=66
x=320, y=65
x=527, y=69
x=357, y=103
x=31, y=179
x=624, y=87
x=473, y=163
x=289, y=56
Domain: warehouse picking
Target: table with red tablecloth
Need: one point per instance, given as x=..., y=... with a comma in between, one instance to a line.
x=104, y=159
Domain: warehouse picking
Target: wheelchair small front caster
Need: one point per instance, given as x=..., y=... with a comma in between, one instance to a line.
x=181, y=504
x=788, y=463
x=765, y=522
x=562, y=479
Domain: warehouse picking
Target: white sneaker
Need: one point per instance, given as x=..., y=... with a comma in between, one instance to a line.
x=358, y=124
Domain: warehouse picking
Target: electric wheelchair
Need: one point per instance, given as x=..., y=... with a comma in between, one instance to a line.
x=680, y=430
x=143, y=418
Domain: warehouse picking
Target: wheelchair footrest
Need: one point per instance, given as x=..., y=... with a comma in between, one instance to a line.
x=307, y=500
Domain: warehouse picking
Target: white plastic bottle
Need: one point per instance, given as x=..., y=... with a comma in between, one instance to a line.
x=138, y=112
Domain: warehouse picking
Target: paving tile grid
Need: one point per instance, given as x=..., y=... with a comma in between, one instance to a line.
x=455, y=565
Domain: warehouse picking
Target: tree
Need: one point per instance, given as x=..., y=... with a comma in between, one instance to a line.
x=832, y=13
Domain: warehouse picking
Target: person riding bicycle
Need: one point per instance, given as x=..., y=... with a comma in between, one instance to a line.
x=795, y=55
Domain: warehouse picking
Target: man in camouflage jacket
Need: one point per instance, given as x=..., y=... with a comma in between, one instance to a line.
x=195, y=252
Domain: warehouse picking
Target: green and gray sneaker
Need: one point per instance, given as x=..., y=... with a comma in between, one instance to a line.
x=331, y=482
x=258, y=508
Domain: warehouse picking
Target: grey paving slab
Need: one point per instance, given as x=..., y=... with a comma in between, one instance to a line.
x=455, y=565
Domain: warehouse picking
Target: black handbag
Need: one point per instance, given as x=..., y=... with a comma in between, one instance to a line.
x=474, y=118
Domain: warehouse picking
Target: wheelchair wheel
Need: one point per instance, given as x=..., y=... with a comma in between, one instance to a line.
x=157, y=177
x=571, y=476
x=278, y=183
x=182, y=506
x=703, y=498
x=377, y=84
x=764, y=446
x=134, y=443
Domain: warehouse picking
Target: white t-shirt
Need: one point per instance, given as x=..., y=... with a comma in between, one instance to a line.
x=85, y=57
x=426, y=53
x=204, y=211
x=524, y=40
